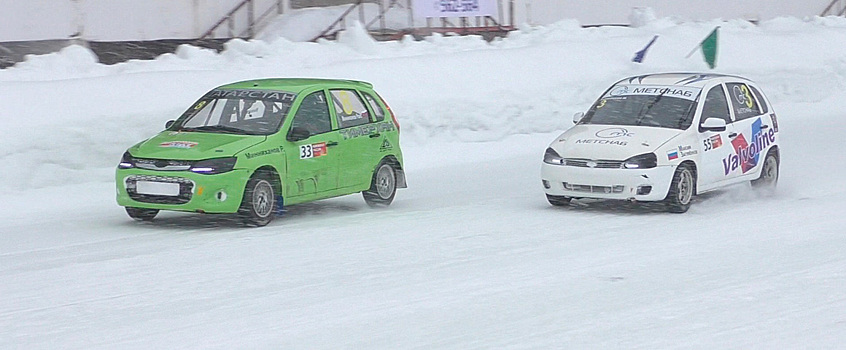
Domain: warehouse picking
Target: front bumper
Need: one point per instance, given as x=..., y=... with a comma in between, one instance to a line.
x=624, y=184
x=219, y=193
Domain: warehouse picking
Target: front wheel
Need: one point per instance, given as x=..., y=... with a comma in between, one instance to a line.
x=383, y=187
x=259, y=203
x=681, y=190
x=141, y=214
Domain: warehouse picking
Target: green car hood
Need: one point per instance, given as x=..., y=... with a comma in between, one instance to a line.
x=193, y=145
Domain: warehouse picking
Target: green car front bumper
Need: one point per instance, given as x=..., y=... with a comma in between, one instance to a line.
x=181, y=190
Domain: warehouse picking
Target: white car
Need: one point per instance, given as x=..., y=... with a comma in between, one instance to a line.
x=665, y=137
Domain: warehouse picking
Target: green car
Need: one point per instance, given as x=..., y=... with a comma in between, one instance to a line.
x=250, y=147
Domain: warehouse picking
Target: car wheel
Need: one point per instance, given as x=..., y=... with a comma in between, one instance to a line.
x=141, y=214
x=259, y=203
x=681, y=190
x=383, y=187
x=558, y=200
x=769, y=173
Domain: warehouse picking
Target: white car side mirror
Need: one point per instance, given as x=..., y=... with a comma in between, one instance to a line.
x=577, y=117
x=714, y=124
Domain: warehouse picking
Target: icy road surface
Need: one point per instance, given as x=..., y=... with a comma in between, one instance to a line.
x=470, y=256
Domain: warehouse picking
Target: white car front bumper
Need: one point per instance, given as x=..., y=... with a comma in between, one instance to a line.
x=624, y=184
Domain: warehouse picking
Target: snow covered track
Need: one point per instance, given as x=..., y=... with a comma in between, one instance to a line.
x=470, y=255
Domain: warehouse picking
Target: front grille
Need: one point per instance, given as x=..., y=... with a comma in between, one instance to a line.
x=162, y=164
x=590, y=163
x=186, y=189
x=594, y=188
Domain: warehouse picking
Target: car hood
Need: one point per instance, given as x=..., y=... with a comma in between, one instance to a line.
x=611, y=142
x=193, y=145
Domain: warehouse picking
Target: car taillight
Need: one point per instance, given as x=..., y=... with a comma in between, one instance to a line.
x=391, y=112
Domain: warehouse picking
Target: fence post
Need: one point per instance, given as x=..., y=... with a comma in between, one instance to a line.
x=251, y=18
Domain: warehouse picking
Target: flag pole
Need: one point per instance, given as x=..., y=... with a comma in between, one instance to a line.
x=700, y=43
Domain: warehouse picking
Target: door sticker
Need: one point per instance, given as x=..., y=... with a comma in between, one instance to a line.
x=313, y=150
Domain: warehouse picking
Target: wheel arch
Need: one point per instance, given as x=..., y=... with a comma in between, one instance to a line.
x=400, y=172
x=273, y=175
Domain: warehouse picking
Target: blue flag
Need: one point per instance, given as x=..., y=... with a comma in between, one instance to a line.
x=640, y=54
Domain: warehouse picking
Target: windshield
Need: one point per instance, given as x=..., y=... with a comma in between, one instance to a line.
x=640, y=105
x=248, y=112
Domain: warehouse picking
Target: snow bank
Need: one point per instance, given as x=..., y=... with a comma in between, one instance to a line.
x=67, y=114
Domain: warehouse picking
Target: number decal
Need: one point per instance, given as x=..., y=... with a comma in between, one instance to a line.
x=707, y=143
x=313, y=150
x=749, y=101
x=306, y=151
x=601, y=104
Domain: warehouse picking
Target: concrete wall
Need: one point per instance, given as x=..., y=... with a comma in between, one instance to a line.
x=114, y=20
x=590, y=12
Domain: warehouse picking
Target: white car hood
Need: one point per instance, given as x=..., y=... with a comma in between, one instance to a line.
x=611, y=142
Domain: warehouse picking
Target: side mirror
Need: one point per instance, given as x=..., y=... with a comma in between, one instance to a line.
x=169, y=123
x=578, y=117
x=713, y=124
x=298, y=134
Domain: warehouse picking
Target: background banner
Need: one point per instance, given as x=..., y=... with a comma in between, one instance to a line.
x=454, y=8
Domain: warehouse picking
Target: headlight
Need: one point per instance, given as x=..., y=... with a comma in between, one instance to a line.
x=126, y=161
x=643, y=161
x=552, y=157
x=214, y=166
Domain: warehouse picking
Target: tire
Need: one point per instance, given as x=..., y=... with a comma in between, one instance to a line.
x=383, y=186
x=259, y=204
x=769, y=173
x=682, y=190
x=141, y=214
x=558, y=201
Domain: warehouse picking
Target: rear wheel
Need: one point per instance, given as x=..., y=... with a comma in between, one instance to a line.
x=383, y=187
x=681, y=190
x=259, y=203
x=769, y=173
x=141, y=214
x=558, y=200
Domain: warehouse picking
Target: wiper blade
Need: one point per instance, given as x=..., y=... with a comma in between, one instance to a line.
x=221, y=128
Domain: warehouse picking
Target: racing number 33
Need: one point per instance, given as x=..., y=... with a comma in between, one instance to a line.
x=312, y=150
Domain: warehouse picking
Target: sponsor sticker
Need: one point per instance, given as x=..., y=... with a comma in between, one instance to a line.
x=745, y=156
x=178, y=144
x=313, y=150
x=611, y=133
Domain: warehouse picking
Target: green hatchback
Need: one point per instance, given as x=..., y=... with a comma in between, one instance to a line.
x=250, y=147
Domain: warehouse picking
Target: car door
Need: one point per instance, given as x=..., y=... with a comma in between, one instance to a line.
x=313, y=163
x=360, y=139
x=715, y=146
x=751, y=124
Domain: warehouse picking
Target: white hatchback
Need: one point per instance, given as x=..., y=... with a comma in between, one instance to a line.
x=665, y=137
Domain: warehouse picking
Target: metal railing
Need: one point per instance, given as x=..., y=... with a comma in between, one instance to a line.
x=253, y=23
x=835, y=8
x=465, y=26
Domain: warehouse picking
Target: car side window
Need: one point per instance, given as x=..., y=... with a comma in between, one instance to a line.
x=349, y=108
x=313, y=114
x=716, y=105
x=760, y=97
x=744, y=104
x=378, y=112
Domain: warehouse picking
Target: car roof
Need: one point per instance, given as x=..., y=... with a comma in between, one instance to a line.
x=295, y=85
x=682, y=79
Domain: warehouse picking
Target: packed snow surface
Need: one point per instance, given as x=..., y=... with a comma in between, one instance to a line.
x=470, y=256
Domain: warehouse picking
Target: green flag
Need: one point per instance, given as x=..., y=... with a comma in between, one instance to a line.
x=709, y=48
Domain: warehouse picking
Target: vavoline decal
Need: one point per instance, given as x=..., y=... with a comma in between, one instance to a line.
x=745, y=155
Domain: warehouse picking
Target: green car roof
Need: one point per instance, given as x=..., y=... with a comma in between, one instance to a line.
x=295, y=84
